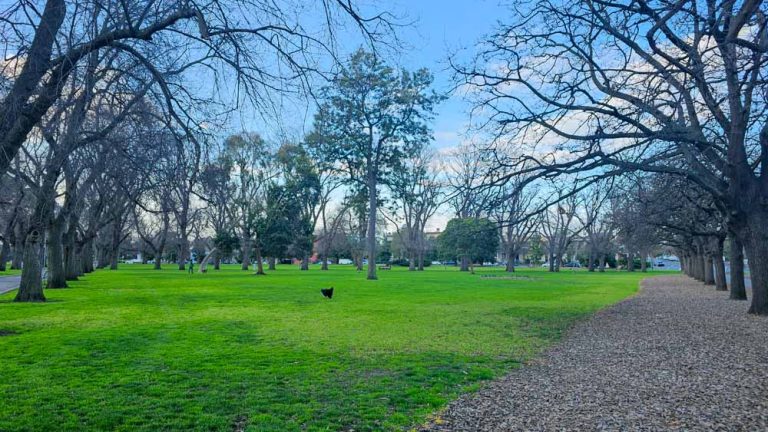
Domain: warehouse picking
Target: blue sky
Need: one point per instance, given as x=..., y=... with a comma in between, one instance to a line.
x=441, y=28
x=438, y=29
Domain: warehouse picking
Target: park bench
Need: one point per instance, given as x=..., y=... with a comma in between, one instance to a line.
x=385, y=267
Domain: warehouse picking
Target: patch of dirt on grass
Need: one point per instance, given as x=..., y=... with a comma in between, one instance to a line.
x=240, y=423
x=507, y=277
x=8, y=332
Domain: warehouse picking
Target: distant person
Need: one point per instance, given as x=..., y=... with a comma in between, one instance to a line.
x=191, y=265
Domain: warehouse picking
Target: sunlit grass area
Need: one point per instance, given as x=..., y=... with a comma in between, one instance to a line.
x=138, y=349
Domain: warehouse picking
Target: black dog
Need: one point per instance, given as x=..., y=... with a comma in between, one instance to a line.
x=327, y=292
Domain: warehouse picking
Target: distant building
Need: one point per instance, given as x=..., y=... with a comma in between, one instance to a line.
x=432, y=235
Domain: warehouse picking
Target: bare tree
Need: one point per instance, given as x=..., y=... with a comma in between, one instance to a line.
x=253, y=166
x=416, y=196
x=511, y=209
x=170, y=41
x=652, y=86
x=559, y=229
x=218, y=193
x=599, y=227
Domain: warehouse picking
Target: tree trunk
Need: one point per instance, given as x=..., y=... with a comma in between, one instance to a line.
x=114, y=258
x=591, y=264
x=72, y=265
x=371, y=233
x=87, y=256
x=206, y=260
x=305, y=263
x=79, y=259
x=697, y=269
x=18, y=255
x=4, y=252
x=643, y=263
x=756, y=246
x=421, y=260
x=259, y=262
x=411, y=261
x=630, y=262
x=510, y=267
x=101, y=257
x=709, y=270
x=31, y=285
x=245, y=250
x=551, y=262
x=183, y=252
x=702, y=261
x=738, y=287
x=114, y=247
x=158, y=259
x=217, y=261
x=272, y=263
x=324, y=265
x=720, y=281
x=602, y=264
x=56, y=276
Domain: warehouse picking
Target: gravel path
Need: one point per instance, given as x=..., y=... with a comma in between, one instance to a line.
x=678, y=356
x=9, y=283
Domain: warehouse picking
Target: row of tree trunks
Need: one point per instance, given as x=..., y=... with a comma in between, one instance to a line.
x=707, y=265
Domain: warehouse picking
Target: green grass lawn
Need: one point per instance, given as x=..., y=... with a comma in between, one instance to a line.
x=138, y=349
x=10, y=272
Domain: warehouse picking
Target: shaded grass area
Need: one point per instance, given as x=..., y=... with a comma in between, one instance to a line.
x=138, y=349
